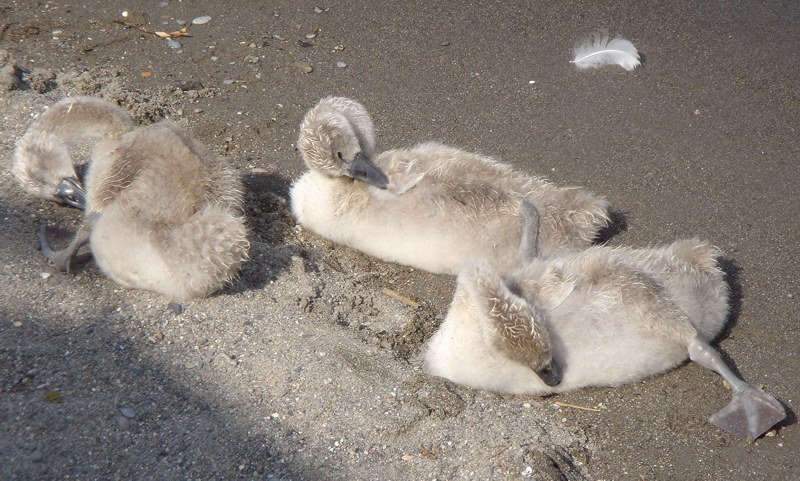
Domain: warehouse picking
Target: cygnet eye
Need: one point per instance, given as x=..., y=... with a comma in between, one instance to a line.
x=339, y=154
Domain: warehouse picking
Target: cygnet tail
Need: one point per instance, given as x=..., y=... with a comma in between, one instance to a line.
x=205, y=252
x=42, y=157
x=703, y=281
x=578, y=217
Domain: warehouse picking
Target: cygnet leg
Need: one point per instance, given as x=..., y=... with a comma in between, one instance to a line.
x=751, y=412
x=530, y=232
x=62, y=259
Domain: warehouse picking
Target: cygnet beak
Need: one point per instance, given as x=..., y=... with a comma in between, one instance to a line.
x=550, y=375
x=364, y=170
x=70, y=192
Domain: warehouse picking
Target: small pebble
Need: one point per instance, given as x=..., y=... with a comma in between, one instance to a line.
x=185, y=86
x=123, y=422
x=318, y=9
x=227, y=81
x=341, y=65
x=172, y=43
x=304, y=67
x=201, y=20
x=445, y=44
x=137, y=370
x=57, y=32
x=37, y=456
x=163, y=4
x=128, y=412
x=175, y=308
x=45, y=275
x=53, y=396
x=17, y=324
x=136, y=18
x=190, y=365
x=251, y=59
x=226, y=359
x=407, y=457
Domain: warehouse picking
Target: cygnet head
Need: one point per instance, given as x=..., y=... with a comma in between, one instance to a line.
x=43, y=167
x=337, y=139
x=511, y=325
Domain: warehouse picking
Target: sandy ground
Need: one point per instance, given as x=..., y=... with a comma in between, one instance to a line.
x=303, y=368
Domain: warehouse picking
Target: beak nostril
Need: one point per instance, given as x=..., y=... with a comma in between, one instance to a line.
x=550, y=375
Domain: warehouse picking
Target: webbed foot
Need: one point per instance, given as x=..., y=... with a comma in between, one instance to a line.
x=62, y=259
x=750, y=414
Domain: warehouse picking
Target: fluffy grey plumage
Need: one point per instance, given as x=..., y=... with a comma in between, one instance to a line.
x=613, y=315
x=162, y=212
x=600, y=317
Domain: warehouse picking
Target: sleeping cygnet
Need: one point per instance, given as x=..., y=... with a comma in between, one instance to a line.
x=600, y=317
x=161, y=212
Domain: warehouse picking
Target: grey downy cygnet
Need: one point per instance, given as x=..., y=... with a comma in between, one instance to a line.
x=600, y=317
x=430, y=206
x=162, y=213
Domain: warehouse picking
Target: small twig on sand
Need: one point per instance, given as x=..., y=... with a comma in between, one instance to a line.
x=405, y=300
x=183, y=32
x=575, y=406
x=3, y=29
x=498, y=453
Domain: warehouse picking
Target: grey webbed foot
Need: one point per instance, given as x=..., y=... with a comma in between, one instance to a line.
x=62, y=259
x=751, y=412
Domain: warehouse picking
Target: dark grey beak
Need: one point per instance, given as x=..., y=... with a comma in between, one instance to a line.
x=70, y=192
x=551, y=375
x=364, y=170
